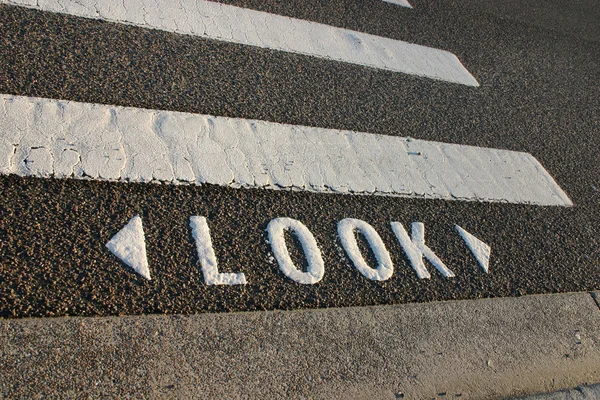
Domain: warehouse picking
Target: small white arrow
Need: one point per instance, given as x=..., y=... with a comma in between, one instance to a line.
x=480, y=250
x=129, y=244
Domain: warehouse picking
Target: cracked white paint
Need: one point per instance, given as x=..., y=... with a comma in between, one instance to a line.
x=347, y=229
x=207, y=257
x=316, y=266
x=249, y=27
x=481, y=250
x=403, y=3
x=129, y=244
x=53, y=138
x=416, y=249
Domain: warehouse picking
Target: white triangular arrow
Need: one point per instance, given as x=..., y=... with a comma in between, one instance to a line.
x=480, y=250
x=129, y=244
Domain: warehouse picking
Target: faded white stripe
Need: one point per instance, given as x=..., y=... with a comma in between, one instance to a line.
x=42, y=137
x=240, y=25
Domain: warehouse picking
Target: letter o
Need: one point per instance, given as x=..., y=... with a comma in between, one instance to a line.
x=346, y=229
x=316, y=266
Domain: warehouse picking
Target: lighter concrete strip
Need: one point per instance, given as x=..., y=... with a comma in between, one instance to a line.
x=596, y=297
x=53, y=138
x=476, y=349
x=254, y=28
x=584, y=392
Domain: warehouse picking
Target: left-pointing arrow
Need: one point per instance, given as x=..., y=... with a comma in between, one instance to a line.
x=129, y=244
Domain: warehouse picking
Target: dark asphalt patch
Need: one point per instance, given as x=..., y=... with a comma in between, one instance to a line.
x=54, y=259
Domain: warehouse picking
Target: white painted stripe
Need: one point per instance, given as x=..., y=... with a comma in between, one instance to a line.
x=42, y=137
x=240, y=25
x=403, y=3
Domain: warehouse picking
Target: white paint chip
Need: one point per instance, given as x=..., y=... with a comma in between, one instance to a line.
x=53, y=138
x=316, y=266
x=480, y=250
x=347, y=229
x=129, y=244
x=223, y=22
x=207, y=257
x=416, y=249
x=403, y=3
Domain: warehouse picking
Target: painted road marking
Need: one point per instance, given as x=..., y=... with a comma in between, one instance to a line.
x=480, y=250
x=207, y=257
x=316, y=265
x=403, y=3
x=129, y=245
x=254, y=28
x=347, y=229
x=416, y=249
x=53, y=138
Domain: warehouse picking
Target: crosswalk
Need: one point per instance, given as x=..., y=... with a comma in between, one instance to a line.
x=201, y=159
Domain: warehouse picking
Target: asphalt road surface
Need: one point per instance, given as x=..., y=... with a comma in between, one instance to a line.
x=537, y=67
